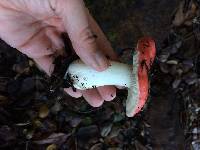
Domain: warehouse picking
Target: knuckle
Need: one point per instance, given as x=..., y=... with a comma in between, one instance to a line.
x=87, y=36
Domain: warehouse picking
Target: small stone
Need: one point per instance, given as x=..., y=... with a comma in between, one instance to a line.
x=38, y=123
x=31, y=63
x=52, y=147
x=44, y=111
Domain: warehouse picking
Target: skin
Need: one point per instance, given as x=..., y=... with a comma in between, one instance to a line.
x=34, y=28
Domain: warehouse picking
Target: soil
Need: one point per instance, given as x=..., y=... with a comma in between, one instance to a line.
x=33, y=118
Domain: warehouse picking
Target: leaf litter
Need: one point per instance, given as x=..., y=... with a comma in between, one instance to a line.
x=31, y=117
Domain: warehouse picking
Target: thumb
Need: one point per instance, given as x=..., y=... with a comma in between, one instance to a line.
x=76, y=21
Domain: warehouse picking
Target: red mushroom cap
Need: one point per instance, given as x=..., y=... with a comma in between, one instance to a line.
x=147, y=51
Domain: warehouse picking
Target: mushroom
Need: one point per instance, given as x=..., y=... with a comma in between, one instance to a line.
x=133, y=77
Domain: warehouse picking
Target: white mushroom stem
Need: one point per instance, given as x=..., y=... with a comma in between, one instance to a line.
x=85, y=77
x=119, y=74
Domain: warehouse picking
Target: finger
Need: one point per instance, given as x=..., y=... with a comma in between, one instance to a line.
x=45, y=63
x=56, y=40
x=43, y=48
x=93, y=97
x=102, y=41
x=38, y=45
x=76, y=21
x=40, y=48
x=108, y=93
x=73, y=93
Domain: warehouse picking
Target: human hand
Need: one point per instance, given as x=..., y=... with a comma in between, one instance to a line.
x=34, y=27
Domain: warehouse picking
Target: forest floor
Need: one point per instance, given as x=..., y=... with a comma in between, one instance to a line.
x=31, y=118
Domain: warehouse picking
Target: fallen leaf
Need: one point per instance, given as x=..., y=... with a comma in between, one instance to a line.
x=56, y=138
x=98, y=146
x=106, y=130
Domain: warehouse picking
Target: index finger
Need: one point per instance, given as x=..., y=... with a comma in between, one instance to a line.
x=76, y=22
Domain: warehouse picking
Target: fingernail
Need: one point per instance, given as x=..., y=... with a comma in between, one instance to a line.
x=113, y=96
x=102, y=62
x=110, y=97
